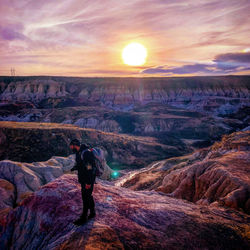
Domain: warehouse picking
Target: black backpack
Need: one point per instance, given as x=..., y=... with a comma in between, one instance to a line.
x=99, y=160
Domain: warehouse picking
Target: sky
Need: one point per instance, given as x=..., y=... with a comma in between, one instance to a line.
x=86, y=37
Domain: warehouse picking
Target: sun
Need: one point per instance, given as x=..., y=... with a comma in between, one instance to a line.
x=134, y=54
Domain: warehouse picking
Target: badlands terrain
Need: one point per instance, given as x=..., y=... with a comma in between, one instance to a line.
x=199, y=201
x=180, y=146
x=191, y=111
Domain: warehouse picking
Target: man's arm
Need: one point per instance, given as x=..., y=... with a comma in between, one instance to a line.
x=74, y=168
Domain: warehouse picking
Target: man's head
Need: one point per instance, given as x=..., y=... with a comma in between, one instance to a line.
x=74, y=145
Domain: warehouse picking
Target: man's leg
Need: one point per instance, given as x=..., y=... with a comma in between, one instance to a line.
x=83, y=217
x=91, y=203
x=85, y=201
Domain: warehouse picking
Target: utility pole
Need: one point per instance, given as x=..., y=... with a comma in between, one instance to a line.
x=12, y=71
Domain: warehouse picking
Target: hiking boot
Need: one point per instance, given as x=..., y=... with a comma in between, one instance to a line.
x=82, y=220
x=91, y=215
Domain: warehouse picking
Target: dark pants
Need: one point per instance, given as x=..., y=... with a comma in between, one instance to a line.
x=87, y=199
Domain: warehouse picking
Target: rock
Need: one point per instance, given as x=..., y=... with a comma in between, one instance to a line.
x=17, y=180
x=206, y=94
x=35, y=90
x=106, y=125
x=196, y=111
x=125, y=220
x=246, y=128
x=7, y=194
x=29, y=142
x=218, y=175
x=29, y=177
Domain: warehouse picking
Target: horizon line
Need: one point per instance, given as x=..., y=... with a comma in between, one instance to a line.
x=125, y=76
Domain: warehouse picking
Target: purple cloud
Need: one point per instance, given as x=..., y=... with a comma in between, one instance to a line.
x=222, y=64
x=91, y=34
x=185, y=69
x=9, y=34
x=243, y=57
x=232, y=61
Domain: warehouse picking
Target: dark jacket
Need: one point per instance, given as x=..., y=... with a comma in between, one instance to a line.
x=85, y=167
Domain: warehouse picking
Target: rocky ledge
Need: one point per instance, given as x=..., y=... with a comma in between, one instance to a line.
x=125, y=219
x=29, y=142
x=18, y=179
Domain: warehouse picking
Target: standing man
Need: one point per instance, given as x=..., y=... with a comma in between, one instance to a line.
x=85, y=165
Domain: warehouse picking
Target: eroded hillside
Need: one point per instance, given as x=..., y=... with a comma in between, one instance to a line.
x=218, y=175
x=28, y=142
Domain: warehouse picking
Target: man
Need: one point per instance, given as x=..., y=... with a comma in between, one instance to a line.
x=85, y=165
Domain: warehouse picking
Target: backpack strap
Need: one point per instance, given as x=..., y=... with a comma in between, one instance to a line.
x=82, y=154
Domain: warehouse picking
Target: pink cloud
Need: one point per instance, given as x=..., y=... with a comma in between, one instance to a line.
x=90, y=34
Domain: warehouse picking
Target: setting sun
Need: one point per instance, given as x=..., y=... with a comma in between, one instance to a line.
x=134, y=54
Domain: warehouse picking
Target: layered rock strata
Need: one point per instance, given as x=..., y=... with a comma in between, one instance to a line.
x=125, y=220
x=218, y=175
x=207, y=94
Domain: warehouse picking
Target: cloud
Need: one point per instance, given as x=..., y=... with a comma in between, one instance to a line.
x=222, y=64
x=9, y=33
x=233, y=61
x=91, y=34
x=185, y=69
x=243, y=57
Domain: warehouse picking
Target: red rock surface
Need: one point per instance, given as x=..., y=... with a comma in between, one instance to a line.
x=219, y=175
x=125, y=219
x=7, y=194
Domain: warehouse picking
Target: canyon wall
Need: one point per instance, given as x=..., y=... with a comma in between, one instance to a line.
x=28, y=142
x=207, y=94
x=191, y=112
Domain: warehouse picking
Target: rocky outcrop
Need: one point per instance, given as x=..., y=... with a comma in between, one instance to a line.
x=207, y=94
x=218, y=175
x=125, y=220
x=104, y=125
x=33, y=90
x=30, y=142
x=171, y=126
x=18, y=180
x=28, y=177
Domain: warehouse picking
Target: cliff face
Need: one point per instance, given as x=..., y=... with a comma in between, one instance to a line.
x=30, y=142
x=218, y=175
x=125, y=220
x=216, y=94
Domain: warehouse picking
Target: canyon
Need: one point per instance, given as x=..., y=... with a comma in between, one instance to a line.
x=155, y=207
x=179, y=145
x=193, y=111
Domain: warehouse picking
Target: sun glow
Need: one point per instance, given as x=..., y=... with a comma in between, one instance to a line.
x=134, y=54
